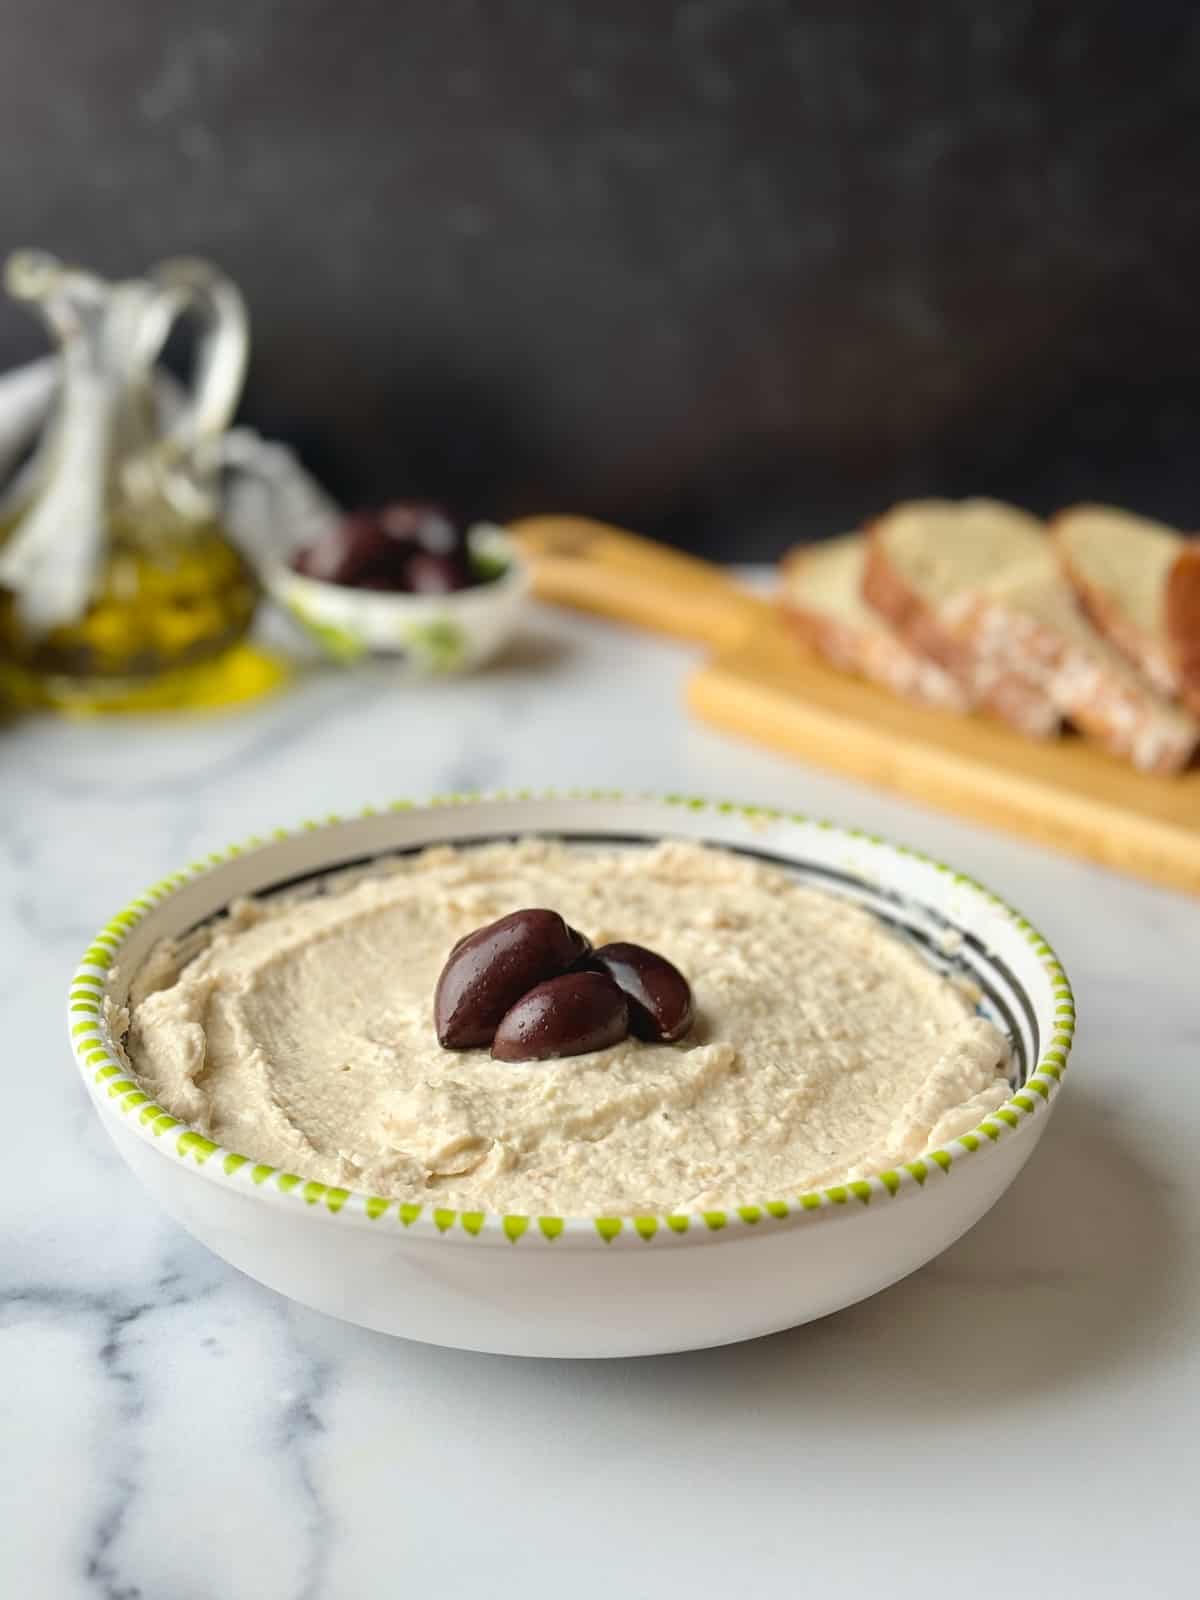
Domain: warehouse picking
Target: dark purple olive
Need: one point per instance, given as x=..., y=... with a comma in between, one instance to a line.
x=489, y=970
x=422, y=523
x=389, y=579
x=346, y=552
x=567, y=1016
x=409, y=546
x=660, y=999
x=431, y=574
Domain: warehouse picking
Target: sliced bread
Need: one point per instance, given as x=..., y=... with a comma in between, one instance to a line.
x=924, y=554
x=821, y=597
x=1139, y=582
x=977, y=584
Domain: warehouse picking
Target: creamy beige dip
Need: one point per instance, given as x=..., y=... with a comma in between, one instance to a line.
x=301, y=1034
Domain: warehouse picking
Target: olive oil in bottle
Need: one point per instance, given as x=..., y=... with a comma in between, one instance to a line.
x=162, y=603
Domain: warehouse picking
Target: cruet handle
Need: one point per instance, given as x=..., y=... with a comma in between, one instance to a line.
x=186, y=451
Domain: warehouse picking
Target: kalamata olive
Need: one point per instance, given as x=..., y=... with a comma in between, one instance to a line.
x=408, y=546
x=567, y=1016
x=659, y=996
x=423, y=523
x=489, y=970
x=432, y=574
x=346, y=552
x=391, y=579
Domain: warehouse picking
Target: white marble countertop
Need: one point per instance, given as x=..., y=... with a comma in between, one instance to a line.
x=1018, y=1417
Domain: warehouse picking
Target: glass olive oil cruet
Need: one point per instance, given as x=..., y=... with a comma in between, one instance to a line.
x=114, y=572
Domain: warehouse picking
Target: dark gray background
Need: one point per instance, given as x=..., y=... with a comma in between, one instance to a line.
x=732, y=273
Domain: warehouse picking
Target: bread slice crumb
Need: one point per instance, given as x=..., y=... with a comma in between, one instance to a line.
x=821, y=598
x=1137, y=580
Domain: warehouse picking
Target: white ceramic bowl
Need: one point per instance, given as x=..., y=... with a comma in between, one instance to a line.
x=430, y=634
x=587, y=1286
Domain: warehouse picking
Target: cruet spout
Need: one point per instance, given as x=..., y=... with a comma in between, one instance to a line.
x=51, y=556
x=72, y=302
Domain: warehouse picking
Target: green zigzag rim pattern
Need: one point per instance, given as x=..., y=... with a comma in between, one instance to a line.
x=97, y=1059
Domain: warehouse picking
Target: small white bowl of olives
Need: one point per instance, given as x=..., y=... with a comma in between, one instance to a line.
x=407, y=581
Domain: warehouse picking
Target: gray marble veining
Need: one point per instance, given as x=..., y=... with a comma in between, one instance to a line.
x=172, y=1431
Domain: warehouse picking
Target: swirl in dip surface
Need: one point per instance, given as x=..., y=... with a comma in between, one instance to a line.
x=299, y=1033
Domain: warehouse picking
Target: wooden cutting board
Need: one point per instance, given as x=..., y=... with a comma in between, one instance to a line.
x=760, y=684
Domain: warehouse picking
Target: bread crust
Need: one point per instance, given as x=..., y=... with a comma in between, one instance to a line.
x=1183, y=622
